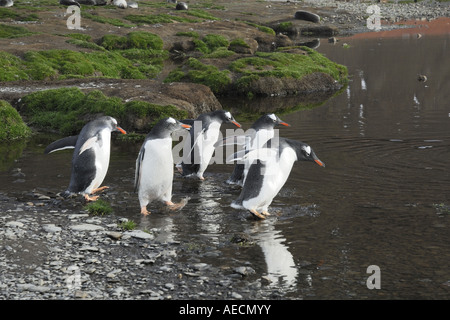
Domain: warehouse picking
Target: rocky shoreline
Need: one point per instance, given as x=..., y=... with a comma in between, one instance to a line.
x=49, y=253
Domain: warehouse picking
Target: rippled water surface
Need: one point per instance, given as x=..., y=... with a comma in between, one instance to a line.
x=383, y=198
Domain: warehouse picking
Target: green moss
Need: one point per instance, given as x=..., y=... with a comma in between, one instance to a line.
x=157, y=18
x=201, y=14
x=13, y=31
x=285, y=26
x=65, y=109
x=128, y=225
x=210, y=43
x=221, y=52
x=133, y=40
x=239, y=43
x=106, y=20
x=7, y=13
x=214, y=41
x=98, y=208
x=283, y=64
x=197, y=72
x=192, y=34
x=12, y=68
x=12, y=126
x=261, y=28
x=154, y=112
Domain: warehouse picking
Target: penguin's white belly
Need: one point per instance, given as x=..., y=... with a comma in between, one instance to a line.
x=156, y=173
x=210, y=137
x=102, y=150
x=275, y=176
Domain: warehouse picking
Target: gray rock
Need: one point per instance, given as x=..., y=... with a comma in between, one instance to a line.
x=14, y=224
x=86, y=227
x=307, y=16
x=140, y=234
x=51, y=228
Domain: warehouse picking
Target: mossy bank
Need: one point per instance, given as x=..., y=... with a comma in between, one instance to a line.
x=67, y=110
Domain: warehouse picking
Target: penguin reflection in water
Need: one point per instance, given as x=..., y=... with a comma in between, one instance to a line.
x=269, y=170
x=154, y=165
x=90, y=160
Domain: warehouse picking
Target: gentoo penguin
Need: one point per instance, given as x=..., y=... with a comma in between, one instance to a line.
x=69, y=3
x=267, y=175
x=261, y=131
x=120, y=3
x=200, y=145
x=6, y=3
x=154, y=165
x=181, y=6
x=90, y=159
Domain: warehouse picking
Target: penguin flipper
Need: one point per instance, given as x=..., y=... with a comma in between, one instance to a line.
x=89, y=143
x=62, y=144
x=137, y=176
x=232, y=140
x=262, y=154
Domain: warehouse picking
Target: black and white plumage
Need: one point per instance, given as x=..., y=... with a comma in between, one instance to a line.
x=154, y=165
x=90, y=160
x=261, y=131
x=269, y=171
x=203, y=136
x=6, y=3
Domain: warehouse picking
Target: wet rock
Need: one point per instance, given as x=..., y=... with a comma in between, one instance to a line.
x=86, y=227
x=307, y=16
x=14, y=224
x=139, y=234
x=51, y=228
x=245, y=271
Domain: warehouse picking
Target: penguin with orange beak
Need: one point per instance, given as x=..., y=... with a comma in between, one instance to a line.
x=201, y=143
x=269, y=170
x=154, y=165
x=90, y=160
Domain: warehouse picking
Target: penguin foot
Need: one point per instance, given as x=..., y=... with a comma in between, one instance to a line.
x=144, y=211
x=266, y=213
x=175, y=206
x=100, y=189
x=257, y=214
x=89, y=198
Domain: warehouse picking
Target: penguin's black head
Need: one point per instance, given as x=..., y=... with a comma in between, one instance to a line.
x=303, y=151
x=111, y=123
x=166, y=126
x=306, y=153
x=269, y=120
x=225, y=117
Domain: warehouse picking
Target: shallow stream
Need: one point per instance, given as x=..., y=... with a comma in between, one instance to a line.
x=383, y=198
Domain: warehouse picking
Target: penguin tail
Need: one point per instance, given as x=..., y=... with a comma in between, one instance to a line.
x=237, y=204
x=67, y=194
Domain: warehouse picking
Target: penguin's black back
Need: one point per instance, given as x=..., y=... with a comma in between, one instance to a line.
x=83, y=171
x=253, y=183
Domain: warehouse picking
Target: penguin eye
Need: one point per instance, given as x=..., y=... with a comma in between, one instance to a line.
x=307, y=151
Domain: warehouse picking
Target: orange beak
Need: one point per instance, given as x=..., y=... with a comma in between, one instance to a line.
x=186, y=126
x=285, y=124
x=320, y=163
x=236, y=124
x=121, y=130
